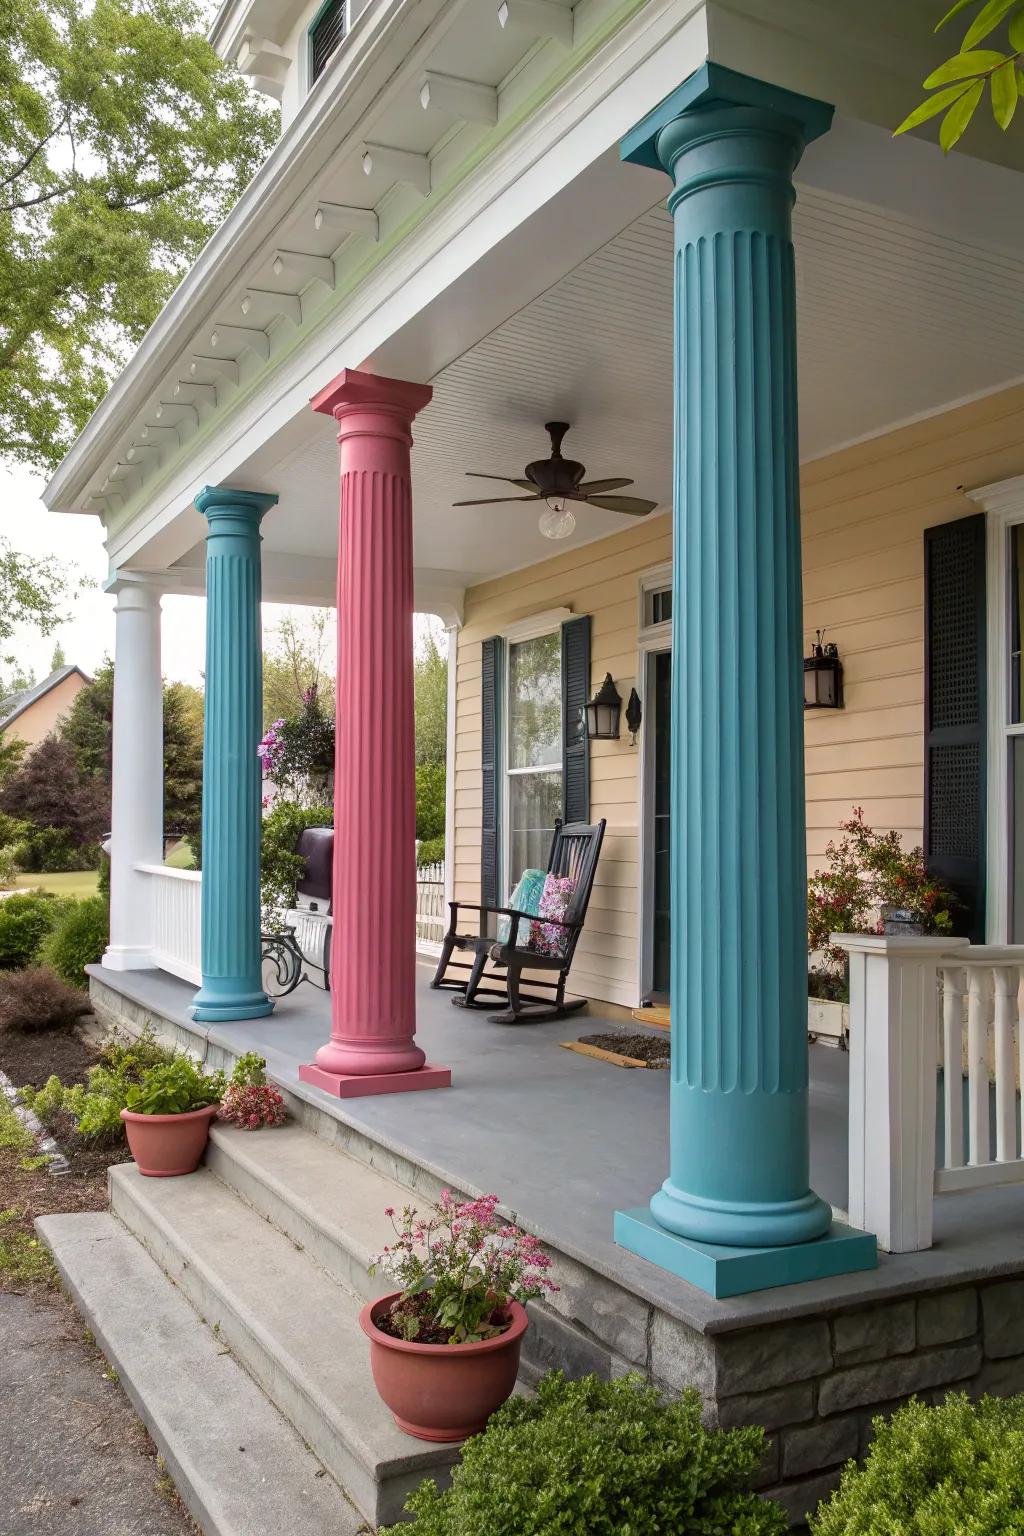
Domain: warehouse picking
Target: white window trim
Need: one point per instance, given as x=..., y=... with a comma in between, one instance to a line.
x=533, y=628
x=1003, y=505
x=651, y=639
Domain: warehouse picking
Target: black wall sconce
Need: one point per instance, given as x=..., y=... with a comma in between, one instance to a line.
x=823, y=675
x=603, y=712
x=634, y=716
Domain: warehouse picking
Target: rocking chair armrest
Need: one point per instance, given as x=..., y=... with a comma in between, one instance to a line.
x=484, y=910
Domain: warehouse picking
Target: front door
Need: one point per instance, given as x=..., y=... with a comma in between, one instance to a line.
x=662, y=668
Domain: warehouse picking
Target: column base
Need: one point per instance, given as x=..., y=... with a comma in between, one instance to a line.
x=211, y=1006
x=348, y=1085
x=127, y=957
x=721, y=1271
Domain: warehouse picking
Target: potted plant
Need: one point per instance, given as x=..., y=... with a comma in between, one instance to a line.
x=250, y=1102
x=167, y=1116
x=873, y=885
x=444, y=1349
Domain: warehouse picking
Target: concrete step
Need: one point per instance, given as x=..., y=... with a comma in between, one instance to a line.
x=239, y=1466
x=326, y=1201
x=292, y=1326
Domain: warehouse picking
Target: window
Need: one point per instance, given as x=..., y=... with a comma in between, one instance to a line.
x=1015, y=730
x=533, y=765
x=325, y=33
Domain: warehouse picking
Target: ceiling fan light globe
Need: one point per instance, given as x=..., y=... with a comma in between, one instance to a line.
x=556, y=522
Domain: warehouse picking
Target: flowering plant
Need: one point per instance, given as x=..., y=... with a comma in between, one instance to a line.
x=458, y=1267
x=249, y=1100
x=298, y=753
x=869, y=870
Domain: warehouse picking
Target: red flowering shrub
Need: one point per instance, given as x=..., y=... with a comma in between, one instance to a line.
x=252, y=1105
x=869, y=870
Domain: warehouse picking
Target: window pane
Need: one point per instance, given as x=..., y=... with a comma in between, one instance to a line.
x=534, y=803
x=1017, y=840
x=535, y=702
x=1016, y=616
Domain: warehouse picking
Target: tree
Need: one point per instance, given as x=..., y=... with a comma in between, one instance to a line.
x=58, y=659
x=32, y=589
x=124, y=140
x=295, y=663
x=430, y=684
x=958, y=85
x=50, y=790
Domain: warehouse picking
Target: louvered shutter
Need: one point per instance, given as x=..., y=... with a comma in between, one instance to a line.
x=490, y=768
x=575, y=742
x=954, y=703
x=325, y=34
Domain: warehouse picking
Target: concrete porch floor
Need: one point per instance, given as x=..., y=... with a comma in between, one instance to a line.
x=565, y=1140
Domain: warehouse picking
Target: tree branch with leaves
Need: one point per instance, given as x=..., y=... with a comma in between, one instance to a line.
x=958, y=85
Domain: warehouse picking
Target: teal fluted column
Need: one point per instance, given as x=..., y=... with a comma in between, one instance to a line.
x=232, y=986
x=739, y=1163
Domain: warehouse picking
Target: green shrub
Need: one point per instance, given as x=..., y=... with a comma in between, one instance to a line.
x=430, y=852
x=35, y=1000
x=12, y=829
x=9, y=867
x=175, y=1088
x=78, y=939
x=54, y=851
x=956, y=1468
x=25, y=921
x=430, y=800
x=96, y=1106
x=280, y=865
x=601, y=1458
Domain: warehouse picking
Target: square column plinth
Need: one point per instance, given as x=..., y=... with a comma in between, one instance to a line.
x=346, y=1085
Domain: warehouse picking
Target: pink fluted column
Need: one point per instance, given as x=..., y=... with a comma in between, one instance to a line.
x=372, y=1048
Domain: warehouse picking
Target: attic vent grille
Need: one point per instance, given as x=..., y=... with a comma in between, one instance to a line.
x=325, y=34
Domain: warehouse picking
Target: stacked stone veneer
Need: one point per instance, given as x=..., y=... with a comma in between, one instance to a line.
x=814, y=1382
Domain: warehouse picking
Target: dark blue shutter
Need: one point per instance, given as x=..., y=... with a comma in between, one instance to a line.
x=954, y=710
x=575, y=742
x=490, y=769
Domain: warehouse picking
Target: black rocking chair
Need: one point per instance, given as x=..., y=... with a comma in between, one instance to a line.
x=574, y=852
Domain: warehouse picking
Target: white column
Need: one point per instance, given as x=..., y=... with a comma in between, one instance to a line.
x=452, y=631
x=137, y=807
x=894, y=1025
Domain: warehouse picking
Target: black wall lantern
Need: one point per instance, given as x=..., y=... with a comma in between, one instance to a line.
x=603, y=712
x=823, y=675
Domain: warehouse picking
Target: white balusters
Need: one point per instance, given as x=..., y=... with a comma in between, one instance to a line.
x=176, y=907
x=1006, y=981
x=977, y=1065
x=954, y=986
x=431, y=913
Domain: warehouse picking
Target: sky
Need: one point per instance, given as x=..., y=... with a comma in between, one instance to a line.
x=87, y=636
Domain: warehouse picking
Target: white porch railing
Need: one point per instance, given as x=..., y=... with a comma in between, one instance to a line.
x=176, y=896
x=431, y=915
x=916, y=1003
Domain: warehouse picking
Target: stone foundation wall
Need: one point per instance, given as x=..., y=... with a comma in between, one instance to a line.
x=814, y=1384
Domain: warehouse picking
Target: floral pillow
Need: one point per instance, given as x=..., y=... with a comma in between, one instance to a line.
x=525, y=898
x=551, y=938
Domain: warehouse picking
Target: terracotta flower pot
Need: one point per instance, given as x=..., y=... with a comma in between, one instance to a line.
x=166, y=1145
x=443, y=1391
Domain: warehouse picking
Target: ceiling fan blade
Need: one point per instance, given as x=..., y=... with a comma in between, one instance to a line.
x=492, y=501
x=602, y=485
x=526, y=485
x=631, y=504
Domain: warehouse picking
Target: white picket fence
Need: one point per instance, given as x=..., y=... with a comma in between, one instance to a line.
x=431, y=912
x=918, y=1004
x=175, y=896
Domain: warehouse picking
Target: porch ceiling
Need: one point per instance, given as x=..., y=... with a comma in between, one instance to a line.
x=898, y=316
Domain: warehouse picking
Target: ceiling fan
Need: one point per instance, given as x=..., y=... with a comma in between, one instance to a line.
x=556, y=481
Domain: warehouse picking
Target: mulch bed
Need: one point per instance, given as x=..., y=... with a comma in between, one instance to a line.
x=654, y=1050
x=32, y=1058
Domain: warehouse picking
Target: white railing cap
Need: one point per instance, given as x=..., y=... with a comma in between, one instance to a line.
x=992, y=954
x=172, y=874
x=897, y=944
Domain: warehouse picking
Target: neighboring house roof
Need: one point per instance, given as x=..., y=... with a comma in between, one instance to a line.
x=16, y=703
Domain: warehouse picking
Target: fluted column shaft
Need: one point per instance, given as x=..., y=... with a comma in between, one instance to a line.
x=137, y=805
x=232, y=986
x=373, y=1009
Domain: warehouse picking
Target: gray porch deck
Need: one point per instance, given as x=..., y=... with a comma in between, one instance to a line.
x=566, y=1140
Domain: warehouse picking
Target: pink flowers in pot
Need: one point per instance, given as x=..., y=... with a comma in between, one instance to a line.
x=249, y=1100
x=459, y=1267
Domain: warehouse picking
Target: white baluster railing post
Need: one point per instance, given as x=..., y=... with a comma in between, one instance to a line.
x=894, y=1011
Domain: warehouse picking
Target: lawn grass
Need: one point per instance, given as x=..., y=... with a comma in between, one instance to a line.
x=76, y=882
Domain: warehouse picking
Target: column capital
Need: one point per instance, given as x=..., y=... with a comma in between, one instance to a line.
x=224, y=501
x=715, y=87
x=140, y=590
x=387, y=402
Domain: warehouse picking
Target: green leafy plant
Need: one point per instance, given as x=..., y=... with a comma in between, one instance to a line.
x=25, y=921
x=96, y=1106
x=607, y=1458
x=175, y=1088
x=298, y=752
x=77, y=939
x=958, y=84
x=249, y=1100
x=867, y=870
x=280, y=865
x=250, y=1071
x=36, y=1000
x=9, y=868
x=458, y=1269
x=430, y=852
x=953, y=1468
